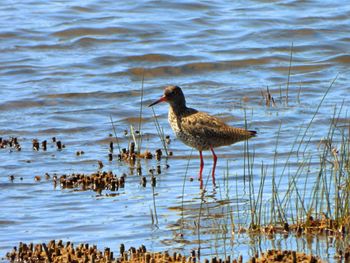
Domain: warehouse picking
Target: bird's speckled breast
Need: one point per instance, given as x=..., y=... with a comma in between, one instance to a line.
x=175, y=122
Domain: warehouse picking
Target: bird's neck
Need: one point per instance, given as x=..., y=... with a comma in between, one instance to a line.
x=178, y=110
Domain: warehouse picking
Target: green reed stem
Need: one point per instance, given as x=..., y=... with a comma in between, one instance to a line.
x=229, y=209
x=160, y=132
x=154, y=206
x=132, y=132
x=200, y=213
x=183, y=193
x=304, y=135
x=299, y=92
x=317, y=110
x=115, y=133
x=289, y=70
x=140, y=115
x=275, y=196
x=260, y=193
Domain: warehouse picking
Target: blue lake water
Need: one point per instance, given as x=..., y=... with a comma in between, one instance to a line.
x=67, y=67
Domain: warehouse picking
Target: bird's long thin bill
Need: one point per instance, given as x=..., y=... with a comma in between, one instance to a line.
x=157, y=101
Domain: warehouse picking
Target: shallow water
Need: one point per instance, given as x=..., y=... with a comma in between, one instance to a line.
x=67, y=67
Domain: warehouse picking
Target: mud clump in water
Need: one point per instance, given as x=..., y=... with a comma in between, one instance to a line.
x=11, y=143
x=159, y=154
x=58, y=252
x=143, y=181
x=315, y=226
x=96, y=181
x=79, y=153
x=44, y=145
x=285, y=256
x=130, y=155
x=60, y=145
x=37, y=178
x=66, y=252
x=36, y=145
x=167, y=139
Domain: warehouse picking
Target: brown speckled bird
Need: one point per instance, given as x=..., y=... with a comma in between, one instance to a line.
x=198, y=129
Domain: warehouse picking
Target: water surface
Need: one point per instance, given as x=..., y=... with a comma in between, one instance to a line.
x=66, y=67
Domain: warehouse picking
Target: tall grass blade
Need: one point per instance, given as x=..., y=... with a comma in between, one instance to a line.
x=140, y=115
x=289, y=70
x=160, y=132
x=115, y=133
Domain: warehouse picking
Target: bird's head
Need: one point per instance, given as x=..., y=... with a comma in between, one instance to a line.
x=173, y=95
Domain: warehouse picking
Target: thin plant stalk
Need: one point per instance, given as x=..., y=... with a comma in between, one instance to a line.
x=132, y=131
x=140, y=116
x=160, y=132
x=289, y=70
x=115, y=133
x=200, y=213
x=154, y=206
x=317, y=110
x=298, y=96
x=183, y=192
x=260, y=193
x=306, y=130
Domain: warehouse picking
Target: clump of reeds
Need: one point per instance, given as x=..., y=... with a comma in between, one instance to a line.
x=310, y=204
x=284, y=97
x=133, y=151
x=268, y=98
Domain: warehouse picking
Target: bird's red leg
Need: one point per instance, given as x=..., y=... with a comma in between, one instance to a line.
x=215, y=158
x=201, y=166
x=201, y=170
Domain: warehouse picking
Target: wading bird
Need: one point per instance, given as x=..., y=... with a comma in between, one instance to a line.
x=198, y=129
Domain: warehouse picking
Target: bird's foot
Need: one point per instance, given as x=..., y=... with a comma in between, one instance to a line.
x=200, y=183
x=200, y=177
